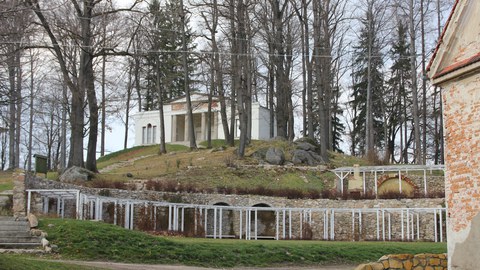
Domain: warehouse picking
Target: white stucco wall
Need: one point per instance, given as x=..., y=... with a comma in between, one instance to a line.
x=260, y=122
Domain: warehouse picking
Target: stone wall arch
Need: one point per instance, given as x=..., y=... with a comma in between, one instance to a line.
x=389, y=184
x=220, y=221
x=265, y=221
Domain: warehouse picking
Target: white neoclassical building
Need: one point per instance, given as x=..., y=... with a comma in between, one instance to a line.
x=176, y=126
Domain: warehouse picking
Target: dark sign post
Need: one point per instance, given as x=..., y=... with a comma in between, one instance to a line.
x=40, y=164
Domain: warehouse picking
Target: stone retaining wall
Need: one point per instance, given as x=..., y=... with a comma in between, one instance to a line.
x=345, y=229
x=408, y=262
x=435, y=183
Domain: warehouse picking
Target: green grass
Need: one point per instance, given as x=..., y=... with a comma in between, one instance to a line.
x=208, y=170
x=16, y=262
x=87, y=240
x=6, y=186
x=6, y=181
x=217, y=143
x=136, y=151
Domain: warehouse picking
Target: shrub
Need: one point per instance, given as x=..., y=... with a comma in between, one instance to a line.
x=392, y=195
x=313, y=194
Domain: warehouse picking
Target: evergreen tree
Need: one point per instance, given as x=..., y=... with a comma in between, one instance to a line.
x=365, y=54
x=399, y=94
x=164, y=64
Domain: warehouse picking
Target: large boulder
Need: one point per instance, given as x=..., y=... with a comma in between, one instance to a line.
x=310, y=158
x=275, y=156
x=302, y=157
x=306, y=146
x=74, y=174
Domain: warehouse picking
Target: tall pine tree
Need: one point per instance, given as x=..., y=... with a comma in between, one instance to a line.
x=367, y=76
x=164, y=64
x=399, y=96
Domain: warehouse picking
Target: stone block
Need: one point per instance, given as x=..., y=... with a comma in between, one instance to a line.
x=402, y=257
x=434, y=262
x=32, y=220
x=394, y=263
x=377, y=266
x=408, y=265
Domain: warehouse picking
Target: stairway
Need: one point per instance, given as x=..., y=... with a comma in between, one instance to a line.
x=16, y=234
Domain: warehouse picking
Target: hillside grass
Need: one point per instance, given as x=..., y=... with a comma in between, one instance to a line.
x=213, y=169
x=89, y=240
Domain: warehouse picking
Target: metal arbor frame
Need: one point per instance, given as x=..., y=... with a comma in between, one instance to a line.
x=343, y=172
x=289, y=221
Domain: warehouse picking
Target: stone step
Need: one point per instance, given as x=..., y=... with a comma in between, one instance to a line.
x=12, y=227
x=15, y=234
x=20, y=245
x=13, y=223
x=13, y=239
x=12, y=218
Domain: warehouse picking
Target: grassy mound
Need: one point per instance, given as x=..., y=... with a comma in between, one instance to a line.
x=219, y=170
x=88, y=240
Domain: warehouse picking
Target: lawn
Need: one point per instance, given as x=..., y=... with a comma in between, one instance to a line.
x=23, y=262
x=88, y=240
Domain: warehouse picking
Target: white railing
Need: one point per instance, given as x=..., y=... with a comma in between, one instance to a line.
x=245, y=222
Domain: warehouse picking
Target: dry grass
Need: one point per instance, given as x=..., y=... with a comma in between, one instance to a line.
x=217, y=170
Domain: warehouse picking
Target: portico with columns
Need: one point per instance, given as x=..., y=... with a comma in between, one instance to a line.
x=176, y=122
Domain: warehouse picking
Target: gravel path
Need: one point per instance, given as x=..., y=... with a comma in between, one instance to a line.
x=122, y=164
x=126, y=266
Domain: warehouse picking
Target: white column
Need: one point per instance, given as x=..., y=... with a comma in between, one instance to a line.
x=220, y=225
x=77, y=204
x=29, y=198
x=256, y=224
x=400, y=182
x=203, y=129
x=241, y=225
x=173, y=129
x=276, y=225
x=214, y=223
x=186, y=137
x=425, y=182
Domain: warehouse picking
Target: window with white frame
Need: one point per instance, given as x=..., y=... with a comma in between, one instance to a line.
x=149, y=134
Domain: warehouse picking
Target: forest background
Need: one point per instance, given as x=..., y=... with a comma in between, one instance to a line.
x=349, y=74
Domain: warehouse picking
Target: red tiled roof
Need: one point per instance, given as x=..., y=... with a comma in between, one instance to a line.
x=472, y=60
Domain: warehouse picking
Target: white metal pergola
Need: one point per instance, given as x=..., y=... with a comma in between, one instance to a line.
x=60, y=194
x=407, y=220
x=343, y=172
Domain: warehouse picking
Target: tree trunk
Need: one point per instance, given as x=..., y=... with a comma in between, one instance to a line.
x=19, y=102
x=163, y=147
x=191, y=126
x=30, y=120
x=416, y=118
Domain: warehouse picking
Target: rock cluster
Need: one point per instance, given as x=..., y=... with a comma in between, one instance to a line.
x=304, y=153
x=408, y=262
x=74, y=174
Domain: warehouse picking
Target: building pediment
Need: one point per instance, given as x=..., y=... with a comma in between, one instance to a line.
x=194, y=98
x=458, y=50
